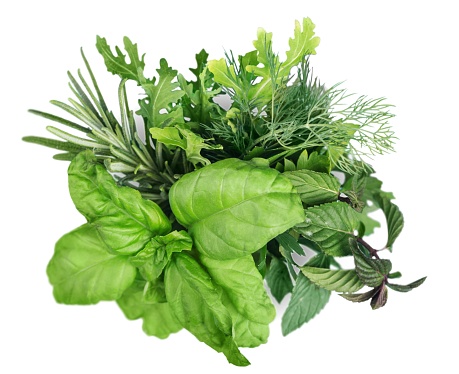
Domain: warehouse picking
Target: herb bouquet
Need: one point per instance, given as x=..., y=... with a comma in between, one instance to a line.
x=188, y=213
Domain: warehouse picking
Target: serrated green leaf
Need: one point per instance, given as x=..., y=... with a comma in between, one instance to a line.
x=330, y=226
x=394, y=218
x=117, y=64
x=125, y=220
x=408, y=287
x=334, y=280
x=162, y=97
x=370, y=271
x=242, y=283
x=247, y=198
x=197, y=306
x=158, y=319
x=278, y=279
x=306, y=302
x=314, y=188
x=224, y=74
x=83, y=271
x=314, y=162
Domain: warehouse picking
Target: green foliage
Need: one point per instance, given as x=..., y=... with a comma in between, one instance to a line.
x=192, y=206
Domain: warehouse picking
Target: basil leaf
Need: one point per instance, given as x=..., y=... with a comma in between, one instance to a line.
x=83, y=271
x=307, y=301
x=243, y=284
x=196, y=304
x=225, y=203
x=158, y=319
x=125, y=221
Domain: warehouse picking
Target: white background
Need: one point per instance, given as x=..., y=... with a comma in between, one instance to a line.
x=404, y=51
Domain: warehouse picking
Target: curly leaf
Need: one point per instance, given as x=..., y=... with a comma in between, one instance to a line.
x=124, y=220
x=225, y=203
x=334, y=280
x=196, y=304
x=117, y=64
x=83, y=271
x=330, y=226
x=314, y=188
x=306, y=302
x=162, y=97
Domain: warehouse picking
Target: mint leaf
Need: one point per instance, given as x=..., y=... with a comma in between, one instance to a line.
x=360, y=297
x=408, y=287
x=124, y=220
x=278, y=279
x=289, y=243
x=158, y=319
x=196, y=304
x=306, y=302
x=314, y=188
x=243, y=196
x=334, y=280
x=330, y=226
x=84, y=270
x=117, y=64
x=394, y=218
x=380, y=298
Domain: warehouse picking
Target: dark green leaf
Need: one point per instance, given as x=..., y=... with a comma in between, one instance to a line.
x=394, y=275
x=408, y=287
x=248, y=199
x=379, y=299
x=315, y=162
x=334, y=280
x=306, y=302
x=197, y=305
x=314, y=188
x=394, y=218
x=83, y=271
x=330, y=226
x=278, y=279
x=289, y=243
x=360, y=297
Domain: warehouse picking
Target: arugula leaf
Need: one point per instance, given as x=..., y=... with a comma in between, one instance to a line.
x=314, y=162
x=306, y=302
x=243, y=196
x=118, y=64
x=314, y=188
x=334, y=280
x=124, y=220
x=330, y=226
x=158, y=319
x=278, y=279
x=84, y=271
x=243, y=285
x=161, y=97
x=196, y=304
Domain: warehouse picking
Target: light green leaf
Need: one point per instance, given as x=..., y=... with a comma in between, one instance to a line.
x=330, y=226
x=124, y=220
x=83, y=271
x=314, y=162
x=306, y=302
x=224, y=74
x=158, y=319
x=370, y=271
x=278, y=279
x=118, y=64
x=162, y=97
x=197, y=305
x=334, y=280
x=225, y=203
x=314, y=188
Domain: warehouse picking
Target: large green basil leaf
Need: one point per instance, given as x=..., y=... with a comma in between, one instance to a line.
x=83, y=271
x=233, y=208
x=251, y=308
x=197, y=305
x=125, y=221
x=158, y=319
